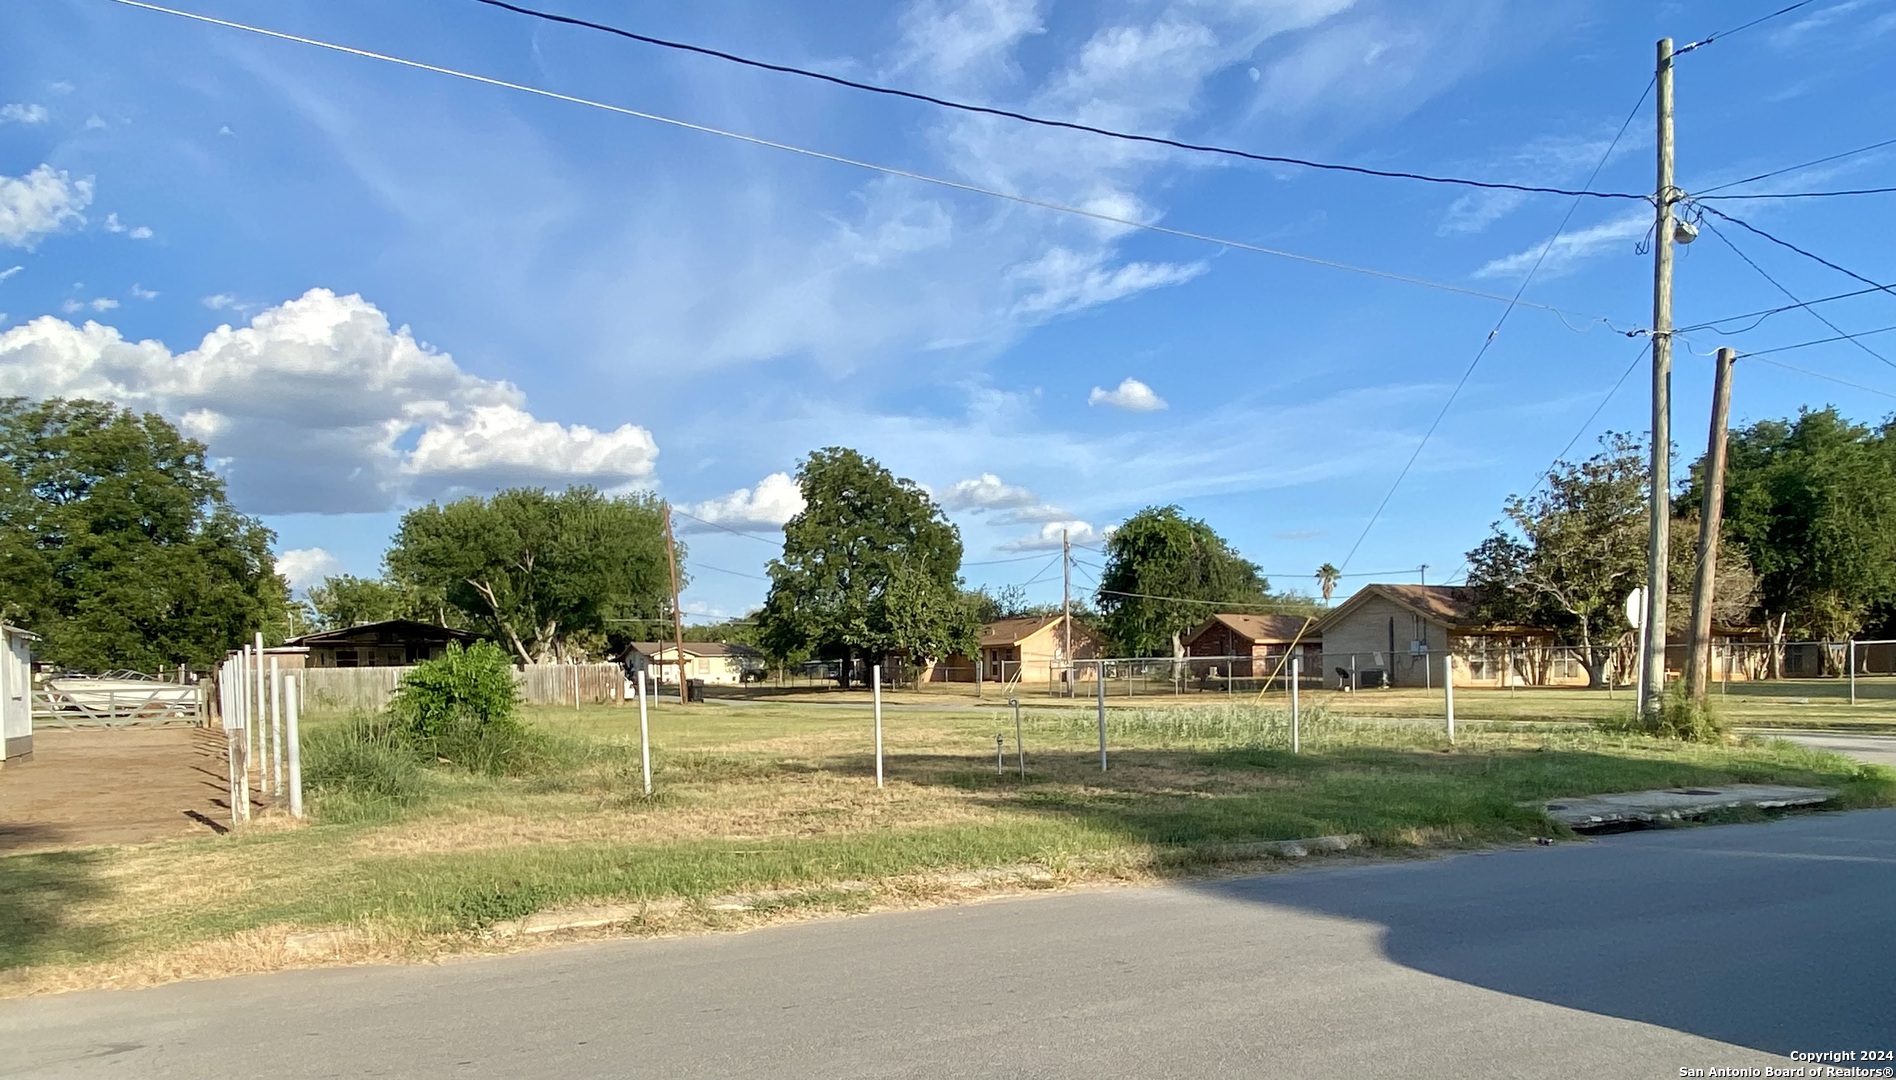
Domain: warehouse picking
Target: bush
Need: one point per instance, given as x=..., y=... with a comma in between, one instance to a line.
x=1681, y=718
x=462, y=708
x=360, y=769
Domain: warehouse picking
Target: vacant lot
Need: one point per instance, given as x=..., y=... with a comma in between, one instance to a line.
x=96, y=786
x=766, y=811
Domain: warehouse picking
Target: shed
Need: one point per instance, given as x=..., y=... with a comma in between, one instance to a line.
x=1254, y=645
x=16, y=693
x=1397, y=634
x=394, y=643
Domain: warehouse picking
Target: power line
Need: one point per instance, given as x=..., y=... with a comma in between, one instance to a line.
x=733, y=573
x=1819, y=341
x=1736, y=29
x=1587, y=424
x=997, y=562
x=1042, y=573
x=1793, y=168
x=1814, y=313
x=1766, y=313
x=1041, y=121
x=1748, y=227
x=1269, y=608
x=955, y=185
x=1817, y=374
x=1807, y=194
x=1489, y=341
x=681, y=513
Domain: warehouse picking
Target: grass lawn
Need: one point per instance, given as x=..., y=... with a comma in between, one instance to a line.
x=766, y=810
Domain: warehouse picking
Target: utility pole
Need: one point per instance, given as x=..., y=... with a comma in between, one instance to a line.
x=1066, y=603
x=678, y=615
x=1652, y=692
x=1422, y=573
x=1710, y=514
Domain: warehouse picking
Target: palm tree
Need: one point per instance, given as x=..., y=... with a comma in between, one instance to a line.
x=1327, y=577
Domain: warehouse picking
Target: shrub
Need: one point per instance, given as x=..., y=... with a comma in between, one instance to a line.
x=462, y=708
x=360, y=769
x=1681, y=718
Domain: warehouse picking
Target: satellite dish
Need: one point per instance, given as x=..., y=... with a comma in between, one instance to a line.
x=1636, y=607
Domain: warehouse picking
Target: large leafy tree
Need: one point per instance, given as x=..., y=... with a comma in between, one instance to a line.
x=344, y=600
x=869, y=567
x=550, y=575
x=1571, y=550
x=1813, y=502
x=118, y=546
x=1165, y=573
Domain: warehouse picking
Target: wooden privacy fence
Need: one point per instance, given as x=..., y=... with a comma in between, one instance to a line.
x=367, y=689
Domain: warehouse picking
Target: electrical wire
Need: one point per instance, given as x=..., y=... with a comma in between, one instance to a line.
x=1042, y=573
x=1489, y=341
x=1791, y=168
x=724, y=527
x=1814, y=313
x=733, y=573
x=1268, y=608
x=1816, y=374
x=1819, y=341
x=1041, y=121
x=1748, y=227
x=1807, y=194
x=997, y=562
x=955, y=185
x=1736, y=29
x=1587, y=424
x=1766, y=313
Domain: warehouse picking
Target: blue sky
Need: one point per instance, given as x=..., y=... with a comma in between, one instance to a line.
x=366, y=286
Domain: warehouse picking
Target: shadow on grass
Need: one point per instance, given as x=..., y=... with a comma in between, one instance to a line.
x=38, y=893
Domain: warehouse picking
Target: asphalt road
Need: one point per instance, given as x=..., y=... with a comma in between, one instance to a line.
x=1626, y=956
x=1876, y=749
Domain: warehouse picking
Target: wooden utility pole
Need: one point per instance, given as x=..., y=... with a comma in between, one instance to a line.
x=1652, y=692
x=678, y=615
x=1066, y=603
x=1698, y=675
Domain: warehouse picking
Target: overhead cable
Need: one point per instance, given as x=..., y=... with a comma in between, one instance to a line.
x=1814, y=313
x=839, y=159
x=1041, y=121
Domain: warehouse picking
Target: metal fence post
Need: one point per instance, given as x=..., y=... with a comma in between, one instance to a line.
x=1102, y=716
x=1853, y=671
x=1020, y=748
x=291, y=732
x=877, y=676
x=1448, y=690
x=645, y=734
x=1296, y=723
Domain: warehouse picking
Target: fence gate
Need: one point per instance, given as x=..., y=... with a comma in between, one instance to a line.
x=77, y=702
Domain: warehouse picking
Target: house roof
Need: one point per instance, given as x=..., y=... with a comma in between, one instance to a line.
x=391, y=631
x=1270, y=629
x=1015, y=631
x=14, y=631
x=696, y=648
x=1450, y=605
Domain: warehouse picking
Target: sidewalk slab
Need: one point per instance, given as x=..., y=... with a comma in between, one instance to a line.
x=1672, y=804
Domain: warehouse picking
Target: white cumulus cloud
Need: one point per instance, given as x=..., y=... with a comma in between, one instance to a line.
x=775, y=500
x=39, y=204
x=1048, y=538
x=320, y=406
x=303, y=567
x=139, y=292
x=1130, y=394
x=24, y=114
x=987, y=492
x=102, y=303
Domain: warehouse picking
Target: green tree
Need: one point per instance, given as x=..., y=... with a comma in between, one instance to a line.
x=118, y=546
x=1571, y=551
x=551, y=575
x=1165, y=573
x=345, y=600
x=1813, y=502
x=869, y=567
